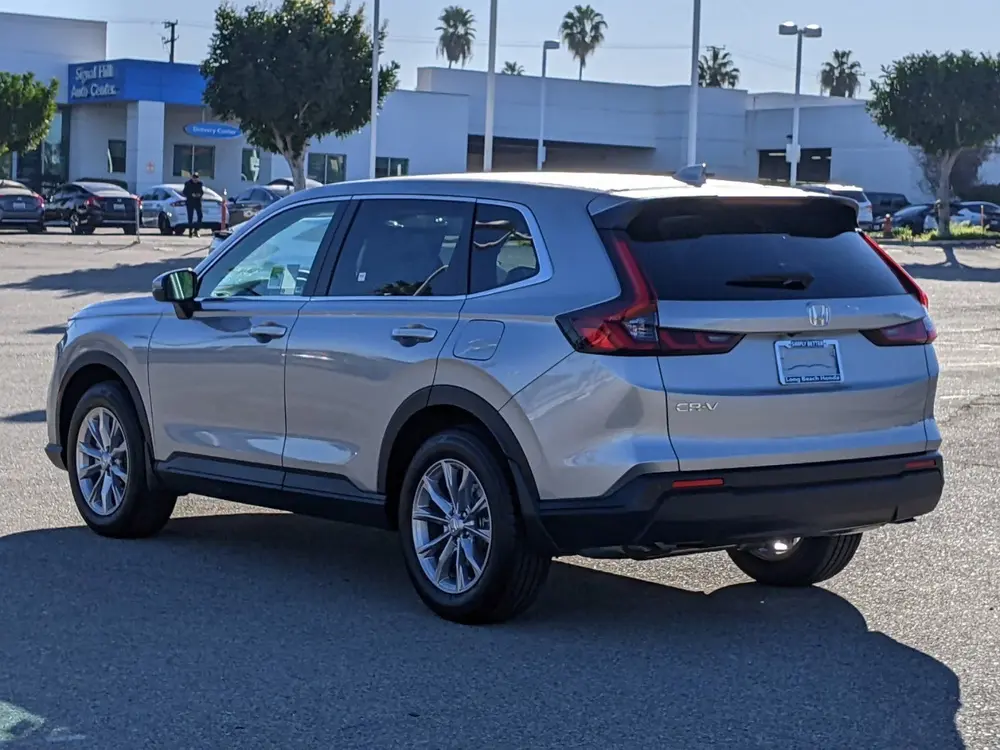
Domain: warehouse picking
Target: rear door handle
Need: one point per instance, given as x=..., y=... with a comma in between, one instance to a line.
x=267, y=331
x=410, y=335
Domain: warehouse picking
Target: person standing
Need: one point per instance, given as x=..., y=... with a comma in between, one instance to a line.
x=193, y=192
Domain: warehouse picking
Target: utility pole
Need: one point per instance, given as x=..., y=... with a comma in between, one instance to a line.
x=172, y=39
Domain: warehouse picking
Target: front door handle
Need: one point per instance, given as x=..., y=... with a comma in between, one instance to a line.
x=268, y=331
x=410, y=335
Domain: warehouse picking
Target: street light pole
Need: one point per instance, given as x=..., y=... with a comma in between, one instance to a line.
x=811, y=31
x=692, y=142
x=372, y=155
x=491, y=90
x=540, y=159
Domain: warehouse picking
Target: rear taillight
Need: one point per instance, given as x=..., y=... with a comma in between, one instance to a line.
x=91, y=202
x=39, y=200
x=914, y=333
x=137, y=199
x=908, y=282
x=178, y=203
x=629, y=325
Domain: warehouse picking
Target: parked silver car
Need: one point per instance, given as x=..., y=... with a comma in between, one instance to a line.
x=512, y=367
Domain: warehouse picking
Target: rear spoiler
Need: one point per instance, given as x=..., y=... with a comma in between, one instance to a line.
x=617, y=211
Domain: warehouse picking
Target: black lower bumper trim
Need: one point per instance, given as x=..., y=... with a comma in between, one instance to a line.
x=55, y=454
x=750, y=505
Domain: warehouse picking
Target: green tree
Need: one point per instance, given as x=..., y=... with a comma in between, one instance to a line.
x=841, y=76
x=512, y=69
x=942, y=105
x=293, y=73
x=457, y=34
x=716, y=70
x=27, y=107
x=583, y=31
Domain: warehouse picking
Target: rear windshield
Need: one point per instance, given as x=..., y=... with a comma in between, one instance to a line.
x=759, y=253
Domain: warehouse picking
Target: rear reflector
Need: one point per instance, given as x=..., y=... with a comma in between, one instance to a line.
x=914, y=333
x=927, y=463
x=908, y=282
x=629, y=325
x=691, y=484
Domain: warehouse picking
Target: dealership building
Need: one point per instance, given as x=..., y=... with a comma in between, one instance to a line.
x=143, y=122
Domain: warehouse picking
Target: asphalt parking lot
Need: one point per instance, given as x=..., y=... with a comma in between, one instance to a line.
x=240, y=628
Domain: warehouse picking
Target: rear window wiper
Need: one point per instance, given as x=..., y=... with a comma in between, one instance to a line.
x=796, y=282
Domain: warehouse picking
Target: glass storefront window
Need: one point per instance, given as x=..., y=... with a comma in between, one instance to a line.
x=7, y=166
x=326, y=168
x=189, y=159
x=47, y=167
x=251, y=165
x=388, y=166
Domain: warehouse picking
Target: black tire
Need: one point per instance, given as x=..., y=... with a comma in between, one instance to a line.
x=36, y=228
x=514, y=572
x=74, y=224
x=813, y=560
x=164, y=225
x=178, y=231
x=131, y=229
x=143, y=511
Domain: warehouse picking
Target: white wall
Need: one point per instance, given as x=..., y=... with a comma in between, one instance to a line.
x=47, y=46
x=861, y=153
x=91, y=126
x=228, y=153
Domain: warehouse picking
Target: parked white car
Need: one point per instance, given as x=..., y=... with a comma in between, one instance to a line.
x=164, y=207
x=856, y=194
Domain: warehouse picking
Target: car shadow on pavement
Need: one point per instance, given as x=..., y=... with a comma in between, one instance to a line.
x=951, y=269
x=36, y=416
x=268, y=630
x=120, y=279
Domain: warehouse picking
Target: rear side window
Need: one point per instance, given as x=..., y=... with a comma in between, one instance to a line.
x=718, y=251
x=503, y=251
x=854, y=195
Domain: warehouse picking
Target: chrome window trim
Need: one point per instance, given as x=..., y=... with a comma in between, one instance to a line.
x=545, y=270
x=242, y=237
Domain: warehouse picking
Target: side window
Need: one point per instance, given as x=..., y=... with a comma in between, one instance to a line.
x=276, y=258
x=405, y=248
x=244, y=196
x=503, y=251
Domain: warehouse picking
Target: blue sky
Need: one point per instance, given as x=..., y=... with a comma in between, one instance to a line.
x=648, y=41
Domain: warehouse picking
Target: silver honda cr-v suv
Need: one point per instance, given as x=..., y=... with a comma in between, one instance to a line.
x=508, y=368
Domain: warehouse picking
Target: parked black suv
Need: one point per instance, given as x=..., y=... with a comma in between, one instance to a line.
x=88, y=205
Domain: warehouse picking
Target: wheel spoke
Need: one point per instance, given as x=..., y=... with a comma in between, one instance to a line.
x=106, y=490
x=479, y=505
x=459, y=572
x=93, y=429
x=451, y=481
x=483, y=534
x=119, y=472
x=436, y=497
x=442, y=565
x=85, y=471
x=90, y=452
x=94, y=489
x=105, y=428
x=429, y=546
x=469, y=552
x=119, y=493
x=427, y=516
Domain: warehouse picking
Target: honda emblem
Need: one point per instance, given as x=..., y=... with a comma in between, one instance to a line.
x=819, y=315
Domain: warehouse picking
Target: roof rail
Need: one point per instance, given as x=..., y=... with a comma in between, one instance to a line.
x=693, y=174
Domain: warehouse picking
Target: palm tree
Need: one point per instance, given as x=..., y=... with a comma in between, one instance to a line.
x=512, y=69
x=458, y=32
x=717, y=71
x=583, y=31
x=842, y=75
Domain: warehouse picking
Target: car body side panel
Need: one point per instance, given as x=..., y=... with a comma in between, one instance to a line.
x=588, y=421
x=346, y=376
x=121, y=329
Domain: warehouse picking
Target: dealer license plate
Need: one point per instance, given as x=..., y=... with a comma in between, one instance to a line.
x=18, y=206
x=119, y=207
x=808, y=361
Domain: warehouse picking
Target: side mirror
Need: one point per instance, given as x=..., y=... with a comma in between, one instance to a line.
x=175, y=286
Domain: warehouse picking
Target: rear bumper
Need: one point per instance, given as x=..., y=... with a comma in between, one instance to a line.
x=750, y=505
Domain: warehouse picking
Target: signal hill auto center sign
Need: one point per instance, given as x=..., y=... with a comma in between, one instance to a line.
x=94, y=81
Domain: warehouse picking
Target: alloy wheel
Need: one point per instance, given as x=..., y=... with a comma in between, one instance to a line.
x=102, y=461
x=452, y=526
